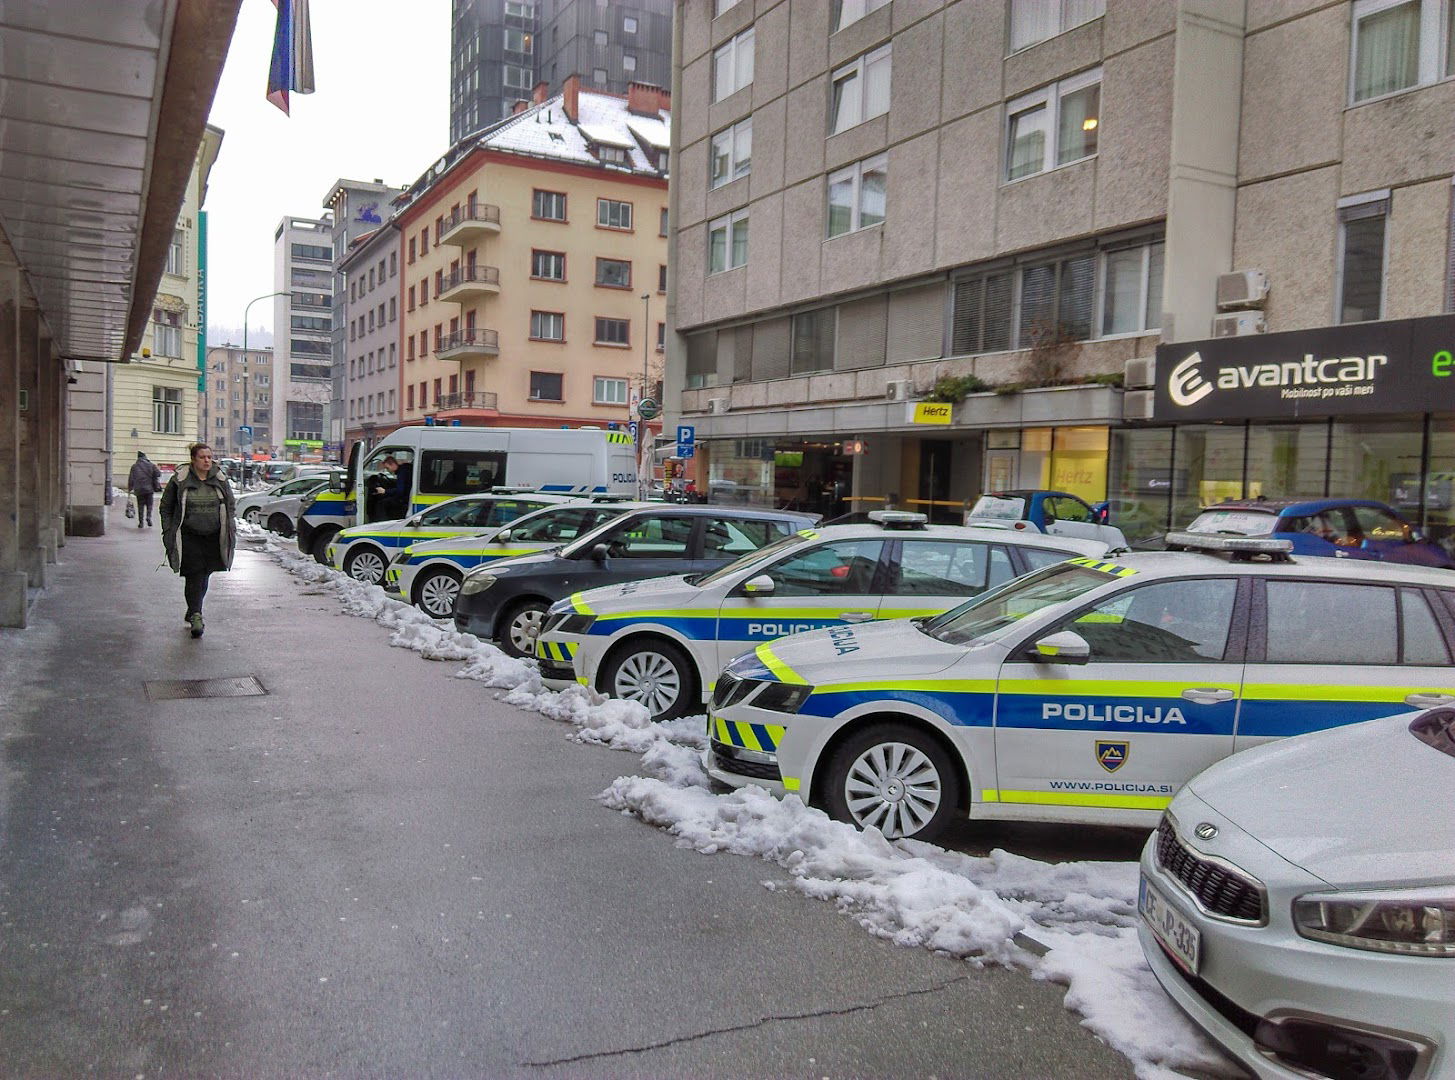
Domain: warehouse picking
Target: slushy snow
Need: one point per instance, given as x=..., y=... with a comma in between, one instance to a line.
x=911, y=893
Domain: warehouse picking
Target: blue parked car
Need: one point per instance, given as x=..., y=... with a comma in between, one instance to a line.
x=1056, y=513
x=1334, y=528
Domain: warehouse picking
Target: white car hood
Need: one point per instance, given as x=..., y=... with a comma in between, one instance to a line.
x=651, y=594
x=469, y=542
x=372, y=527
x=892, y=650
x=1359, y=806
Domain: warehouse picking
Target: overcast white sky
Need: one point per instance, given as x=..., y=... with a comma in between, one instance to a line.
x=381, y=110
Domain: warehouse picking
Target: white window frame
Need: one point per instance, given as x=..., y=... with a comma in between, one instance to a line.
x=523, y=36
x=612, y=155
x=515, y=70
x=597, y=339
x=176, y=257
x=599, y=39
x=855, y=175
x=547, y=320
x=856, y=74
x=1047, y=97
x=739, y=156
x=1434, y=48
x=734, y=56
x=628, y=24
x=847, y=12
x=720, y=6
x=167, y=410
x=1099, y=294
x=628, y=62
x=616, y=390
x=1353, y=203
x=727, y=224
x=552, y=199
x=555, y=260
x=599, y=77
x=1063, y=22
x=604, y=214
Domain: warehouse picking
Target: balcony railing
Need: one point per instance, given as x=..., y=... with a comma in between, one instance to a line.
x=466, y=343
x=469, y=283
x=466, y=225
x=476, y=399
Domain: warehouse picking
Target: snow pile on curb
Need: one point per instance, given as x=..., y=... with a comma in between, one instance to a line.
x=911, y=893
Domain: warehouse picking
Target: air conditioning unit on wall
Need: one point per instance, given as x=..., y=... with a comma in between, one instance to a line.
x=898, y=389
x=718, y=405
x=1140, y=372
x=1242, y=288
x=1238, y=324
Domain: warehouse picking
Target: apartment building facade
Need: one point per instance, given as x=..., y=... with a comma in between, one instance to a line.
x=302, y=336
x=155, y=396
x=1037, y=211
x=239, y=393
x=500, y=50
x=533, y=266
x=370, y=282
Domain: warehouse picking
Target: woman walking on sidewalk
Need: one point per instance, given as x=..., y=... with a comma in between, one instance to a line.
x=198, y=529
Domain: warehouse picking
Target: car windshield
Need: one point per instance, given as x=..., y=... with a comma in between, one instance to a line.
x=1234, y=522
x=559, y=526
x=999, y=508
x=1008, y=605
x=586, y=541
x=772, y=551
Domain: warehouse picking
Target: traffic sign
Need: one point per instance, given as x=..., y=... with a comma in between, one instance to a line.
x=648, y=409
x=245, y=429
x=631, y=427
x=686, y=450
x=686, y=435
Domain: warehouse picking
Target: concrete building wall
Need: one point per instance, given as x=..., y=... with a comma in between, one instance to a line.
x=315, y=349
x=239, y=392
x=371, y=281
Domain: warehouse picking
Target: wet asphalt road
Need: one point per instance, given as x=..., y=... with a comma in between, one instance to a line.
x=378, y=870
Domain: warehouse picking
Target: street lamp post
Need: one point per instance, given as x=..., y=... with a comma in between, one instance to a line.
x=246, y=406
x=644, y=446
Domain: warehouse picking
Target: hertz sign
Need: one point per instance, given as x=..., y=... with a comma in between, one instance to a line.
x=1401, y=366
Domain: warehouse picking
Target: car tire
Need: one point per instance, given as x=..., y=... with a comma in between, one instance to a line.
x=253, y=515
x=319, y=550
x=516, y=638
x=894, y=777
x=656, y=674
x=280, y=524
x=436, y=591
x=366, y=563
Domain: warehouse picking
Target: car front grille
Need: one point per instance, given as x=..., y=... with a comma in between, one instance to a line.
x=1220, y=890
x=730, y=690
x=758, y=770
x=562, y=672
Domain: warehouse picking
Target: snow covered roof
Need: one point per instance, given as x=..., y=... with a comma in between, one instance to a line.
x=545, y=130
x=654, y=132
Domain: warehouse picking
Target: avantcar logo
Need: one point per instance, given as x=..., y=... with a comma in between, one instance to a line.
x=1186, y=385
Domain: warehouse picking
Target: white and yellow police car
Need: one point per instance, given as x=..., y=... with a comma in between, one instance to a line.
x=1086, y=692
x=428, y=574
x=363, y=551
x=662, y=641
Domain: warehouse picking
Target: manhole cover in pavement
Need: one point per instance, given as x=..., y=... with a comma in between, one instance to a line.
x=188, y=689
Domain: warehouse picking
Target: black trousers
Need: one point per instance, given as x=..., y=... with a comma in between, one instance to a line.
x=195, y=588
x=143, y=507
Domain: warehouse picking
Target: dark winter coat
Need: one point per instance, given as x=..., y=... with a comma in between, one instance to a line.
x=145, y=478
x=174, y=512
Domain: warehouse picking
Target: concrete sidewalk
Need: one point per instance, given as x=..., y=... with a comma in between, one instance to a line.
x=375, y=869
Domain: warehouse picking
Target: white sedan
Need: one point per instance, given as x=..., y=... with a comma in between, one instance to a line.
x=1298, y=902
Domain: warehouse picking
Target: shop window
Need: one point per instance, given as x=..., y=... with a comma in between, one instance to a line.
x=1362, y=237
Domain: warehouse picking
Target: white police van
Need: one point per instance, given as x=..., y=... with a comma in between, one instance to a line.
x=1086, y=692
x=663, y=641
x=440, y=463
x=428, y=573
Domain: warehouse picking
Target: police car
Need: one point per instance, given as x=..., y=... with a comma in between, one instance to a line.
x=428, y=574
x=1086, y=692
x=662, y=642
x=363, y=551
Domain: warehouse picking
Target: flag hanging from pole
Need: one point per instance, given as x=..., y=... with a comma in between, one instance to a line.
x=292, y=68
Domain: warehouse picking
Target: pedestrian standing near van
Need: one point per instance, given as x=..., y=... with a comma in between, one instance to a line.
x=144, y=481
x=198, y=530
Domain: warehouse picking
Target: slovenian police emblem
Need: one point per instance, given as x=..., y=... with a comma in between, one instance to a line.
x=1112, y=755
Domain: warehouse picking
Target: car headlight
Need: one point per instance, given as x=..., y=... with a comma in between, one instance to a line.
x=400, y=556
x=782, y=697
x=476, y=583
x=1410, y=922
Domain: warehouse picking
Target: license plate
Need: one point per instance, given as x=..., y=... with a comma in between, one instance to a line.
x=1177, y=935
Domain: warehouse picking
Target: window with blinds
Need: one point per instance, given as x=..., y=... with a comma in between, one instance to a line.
x=771, y=349
x=863, y=330
x=813, y=342
x=916, y=324
x=701, y=359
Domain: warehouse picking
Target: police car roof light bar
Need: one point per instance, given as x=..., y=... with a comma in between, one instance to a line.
x=1245, y=546
x=898, y=519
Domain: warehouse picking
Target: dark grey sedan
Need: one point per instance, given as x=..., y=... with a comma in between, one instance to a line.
x=505, y=601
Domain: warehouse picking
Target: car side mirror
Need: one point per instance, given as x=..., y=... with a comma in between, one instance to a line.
x=1414, y=536
x=1064, y=647
x=762, y=585
x=503, y=536
x=335, y=483
x=599, y=553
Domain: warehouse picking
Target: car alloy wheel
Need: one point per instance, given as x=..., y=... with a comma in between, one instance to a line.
x=654, y=674
x=522, y=627
x=252, y=515
x=366, y=565
x=437, y=594
x=894, y=778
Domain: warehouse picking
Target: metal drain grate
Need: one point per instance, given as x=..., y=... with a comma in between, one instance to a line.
x=191, y=689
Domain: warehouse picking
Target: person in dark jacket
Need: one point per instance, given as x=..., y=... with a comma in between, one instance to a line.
x=198, y=527
x=144, y=481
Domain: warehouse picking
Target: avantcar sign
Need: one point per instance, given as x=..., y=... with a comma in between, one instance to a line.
x=1401, y=366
